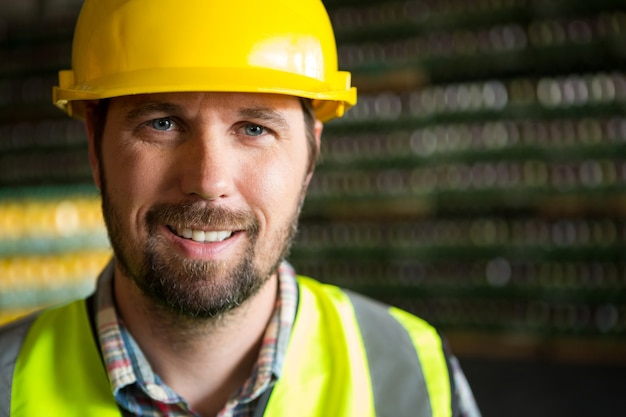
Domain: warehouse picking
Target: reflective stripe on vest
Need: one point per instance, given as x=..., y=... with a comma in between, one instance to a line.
x=385, y=338
x=11, y=339
x=352, y=356
x=348, y=356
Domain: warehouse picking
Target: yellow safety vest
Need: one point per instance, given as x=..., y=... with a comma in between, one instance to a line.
x=348, y=356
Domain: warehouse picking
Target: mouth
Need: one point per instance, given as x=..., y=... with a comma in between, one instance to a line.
x=202, y=236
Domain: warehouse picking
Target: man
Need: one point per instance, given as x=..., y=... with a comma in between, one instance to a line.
x=204, y=121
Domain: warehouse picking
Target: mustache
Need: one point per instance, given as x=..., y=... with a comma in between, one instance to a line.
x=200, y=216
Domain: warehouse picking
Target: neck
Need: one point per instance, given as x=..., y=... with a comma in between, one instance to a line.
x=183, y=352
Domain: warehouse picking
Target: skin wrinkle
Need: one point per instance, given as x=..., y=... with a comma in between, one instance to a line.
x=149, y=108
x=98, y=111
x=173, y=301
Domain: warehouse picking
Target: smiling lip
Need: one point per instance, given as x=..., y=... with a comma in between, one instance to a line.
x=202, y=236
x=207, y=245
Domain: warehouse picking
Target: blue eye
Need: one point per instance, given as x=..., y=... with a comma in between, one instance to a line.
x=254, y=130
x=162, y=124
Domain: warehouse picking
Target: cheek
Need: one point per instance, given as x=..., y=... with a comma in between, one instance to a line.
x=275, y=186
x=129, y=180
x=129, y=168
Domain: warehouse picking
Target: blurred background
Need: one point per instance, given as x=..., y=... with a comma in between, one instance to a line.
x=479, y=183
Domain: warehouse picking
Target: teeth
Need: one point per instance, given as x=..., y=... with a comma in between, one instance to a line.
x=204, y=237
x=197, y=235
x=223, y=235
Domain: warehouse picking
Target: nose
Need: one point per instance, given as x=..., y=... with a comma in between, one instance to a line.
x=206, y=167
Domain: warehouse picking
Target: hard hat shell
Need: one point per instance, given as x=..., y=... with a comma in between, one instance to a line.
x=125, y=47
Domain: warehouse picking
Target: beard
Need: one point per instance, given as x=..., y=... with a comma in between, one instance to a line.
x=190, y=288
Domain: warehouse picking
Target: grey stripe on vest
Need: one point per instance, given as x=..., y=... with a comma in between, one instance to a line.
x=453, y=388
x=397, y=378
x=11, y=339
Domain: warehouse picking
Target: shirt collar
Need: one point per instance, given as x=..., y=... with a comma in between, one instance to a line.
x=127, y=366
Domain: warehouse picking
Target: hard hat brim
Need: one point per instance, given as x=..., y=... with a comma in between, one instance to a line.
x=330, y=99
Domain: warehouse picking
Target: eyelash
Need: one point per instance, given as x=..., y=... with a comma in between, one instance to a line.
x=175, y=125
x=263, y=130
x=154, y=122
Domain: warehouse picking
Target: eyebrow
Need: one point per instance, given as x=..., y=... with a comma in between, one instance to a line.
x=148, y=108
x=264, y=114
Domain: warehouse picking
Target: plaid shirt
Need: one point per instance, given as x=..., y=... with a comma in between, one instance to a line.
x=140, y=391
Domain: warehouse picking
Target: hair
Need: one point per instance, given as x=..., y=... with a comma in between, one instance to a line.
x=309, y=127
x=100, y=110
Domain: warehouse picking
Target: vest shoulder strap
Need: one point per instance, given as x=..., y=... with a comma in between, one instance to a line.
x=60, y=366
x=349, y=355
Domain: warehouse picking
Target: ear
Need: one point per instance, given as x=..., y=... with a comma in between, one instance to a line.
x=94, y=160
x=319, y=127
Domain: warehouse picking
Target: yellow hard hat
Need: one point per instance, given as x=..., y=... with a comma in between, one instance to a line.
x=125, y=47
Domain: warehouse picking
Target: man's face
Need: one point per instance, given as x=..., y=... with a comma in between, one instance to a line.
x=201, y=193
